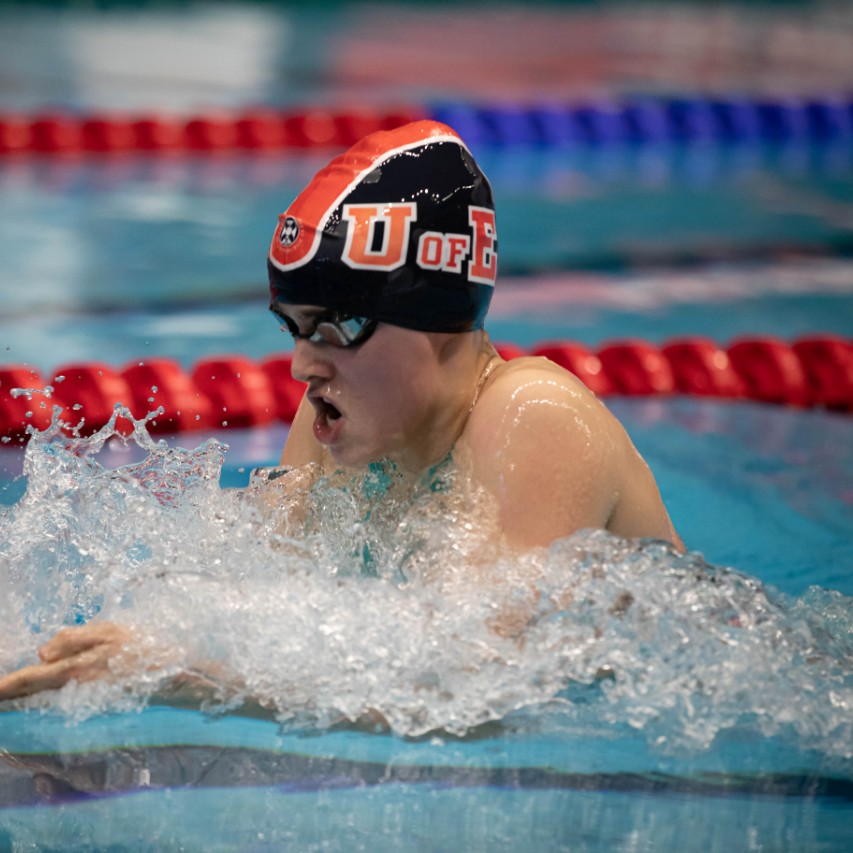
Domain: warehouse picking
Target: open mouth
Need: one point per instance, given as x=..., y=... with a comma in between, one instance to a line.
x=328, y=420
x=326, y=410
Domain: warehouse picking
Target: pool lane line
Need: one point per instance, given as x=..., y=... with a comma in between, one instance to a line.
x=234, y=391
x=637, y=119
x=57, y=778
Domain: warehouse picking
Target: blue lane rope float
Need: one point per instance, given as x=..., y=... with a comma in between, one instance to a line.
x=653, y=120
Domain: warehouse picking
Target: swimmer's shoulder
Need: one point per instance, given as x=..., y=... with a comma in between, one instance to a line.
x=521, y=381
x=533, y=403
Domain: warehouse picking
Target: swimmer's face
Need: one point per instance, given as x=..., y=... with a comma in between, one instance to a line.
x=373, y=400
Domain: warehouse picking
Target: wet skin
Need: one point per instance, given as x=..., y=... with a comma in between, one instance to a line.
x=537, y=439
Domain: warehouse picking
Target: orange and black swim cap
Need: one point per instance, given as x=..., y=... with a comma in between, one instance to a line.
x=400, y=228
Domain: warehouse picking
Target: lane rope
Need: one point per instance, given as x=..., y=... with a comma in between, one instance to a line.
x=60, y=132
x=234, y=391
x=641, y=119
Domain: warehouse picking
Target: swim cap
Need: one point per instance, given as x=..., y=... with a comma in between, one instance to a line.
x=400, y=228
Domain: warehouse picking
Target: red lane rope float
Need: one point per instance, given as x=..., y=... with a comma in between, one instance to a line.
x=238, y=389
x=234, y=391
x=163, y=382
x=66, y=133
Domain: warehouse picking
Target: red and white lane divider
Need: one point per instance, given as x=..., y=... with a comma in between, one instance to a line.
x=235, y=391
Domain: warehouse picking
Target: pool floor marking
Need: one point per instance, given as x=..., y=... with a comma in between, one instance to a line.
x=56, y=778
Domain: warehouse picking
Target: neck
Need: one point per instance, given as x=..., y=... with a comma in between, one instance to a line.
x=465, y=364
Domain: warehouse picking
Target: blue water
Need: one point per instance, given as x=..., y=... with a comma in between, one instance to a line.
x=117, y=259
x=764, y=490
x=606, y=259
x=766, y=487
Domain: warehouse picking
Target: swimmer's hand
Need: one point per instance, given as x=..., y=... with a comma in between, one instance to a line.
x=112, y=652
x=86, y=653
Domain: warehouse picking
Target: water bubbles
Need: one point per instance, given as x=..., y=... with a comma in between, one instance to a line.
x=29, y=393
x=391, y=599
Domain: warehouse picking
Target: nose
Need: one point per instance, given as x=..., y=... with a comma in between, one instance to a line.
x=310, y=361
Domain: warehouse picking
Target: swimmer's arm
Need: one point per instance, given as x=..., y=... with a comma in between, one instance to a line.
x=110, y=651
x=558, y=461
x=209, y=684
x=542, y=451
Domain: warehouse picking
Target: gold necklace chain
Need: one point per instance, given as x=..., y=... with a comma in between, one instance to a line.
x=484, y=375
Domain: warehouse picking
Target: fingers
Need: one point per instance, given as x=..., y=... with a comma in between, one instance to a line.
x=33, y=679
x=73, y=641
x=82, y=654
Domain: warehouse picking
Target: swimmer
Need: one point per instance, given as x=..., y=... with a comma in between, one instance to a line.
x=382, y=270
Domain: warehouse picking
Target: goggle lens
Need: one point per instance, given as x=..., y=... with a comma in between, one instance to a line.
x=338, y=330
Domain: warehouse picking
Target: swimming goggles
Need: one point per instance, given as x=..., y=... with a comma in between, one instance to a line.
x=331, y=327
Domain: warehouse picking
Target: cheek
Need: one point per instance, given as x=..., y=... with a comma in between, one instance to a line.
x=391, y=384
x=391, y=398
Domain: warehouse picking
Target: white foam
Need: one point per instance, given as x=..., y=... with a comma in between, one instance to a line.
x=397, y=599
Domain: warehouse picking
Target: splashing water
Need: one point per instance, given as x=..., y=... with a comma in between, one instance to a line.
x=342, y=598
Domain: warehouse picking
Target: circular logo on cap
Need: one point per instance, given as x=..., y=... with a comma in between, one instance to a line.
x=289, y=232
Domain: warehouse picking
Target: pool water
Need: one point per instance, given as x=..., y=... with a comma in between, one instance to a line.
x=712, y=709
x=162, y=257
x=764, y=490
x=545, y=776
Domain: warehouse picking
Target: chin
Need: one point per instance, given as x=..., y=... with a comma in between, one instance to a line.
x=351, y=458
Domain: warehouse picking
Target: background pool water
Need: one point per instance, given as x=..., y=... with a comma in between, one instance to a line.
x=118, y=258
x=169, y=258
